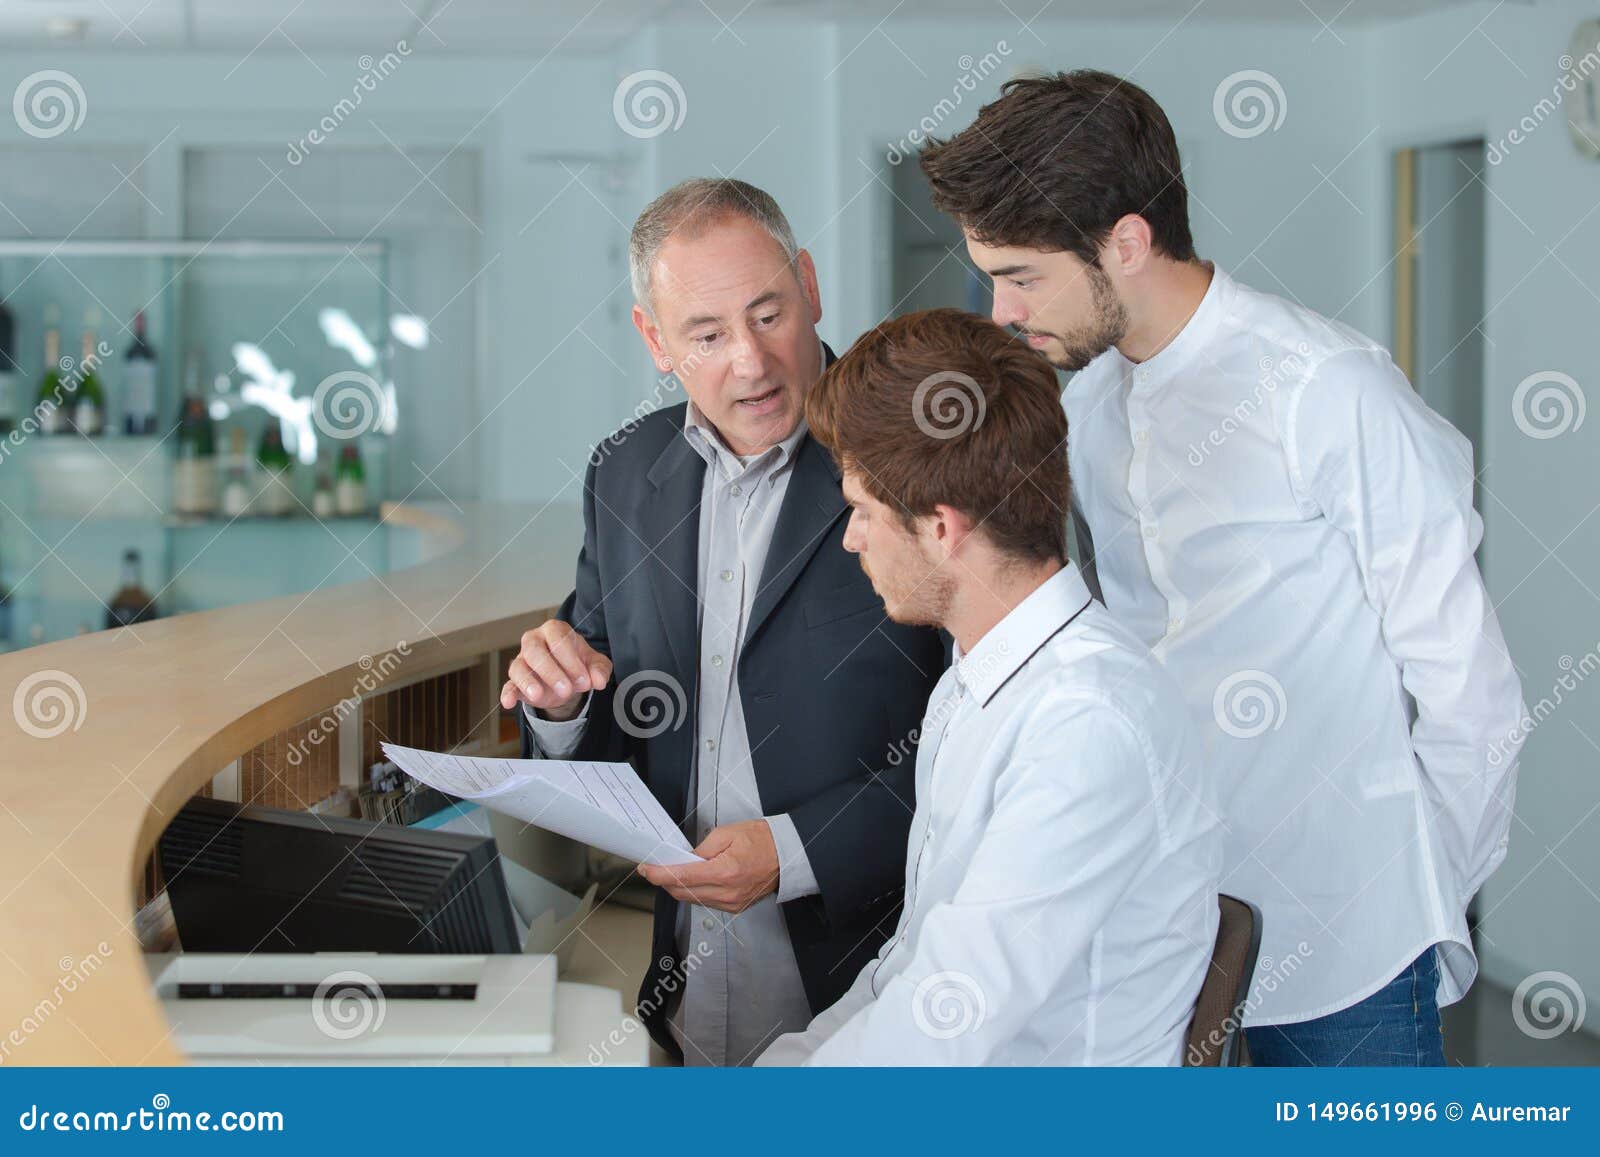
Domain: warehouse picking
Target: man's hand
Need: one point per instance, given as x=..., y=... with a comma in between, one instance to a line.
x=741, y=866
x=554, y=670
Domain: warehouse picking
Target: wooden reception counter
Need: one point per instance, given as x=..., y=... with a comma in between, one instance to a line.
x=109, y=734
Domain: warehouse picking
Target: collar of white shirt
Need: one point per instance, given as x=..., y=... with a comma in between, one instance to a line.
x=708, y=443
x=1015, y=639
x=1156, y=371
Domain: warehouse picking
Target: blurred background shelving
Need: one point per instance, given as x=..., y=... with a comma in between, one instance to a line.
x=281, y=335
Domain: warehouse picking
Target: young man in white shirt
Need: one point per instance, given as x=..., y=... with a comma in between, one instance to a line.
x=1061, y=872
x=1281, y=519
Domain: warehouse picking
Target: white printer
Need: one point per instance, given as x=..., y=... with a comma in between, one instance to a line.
x=389, y=1009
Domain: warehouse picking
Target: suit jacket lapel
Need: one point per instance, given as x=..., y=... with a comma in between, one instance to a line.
x=671, y=530
x=811, y=505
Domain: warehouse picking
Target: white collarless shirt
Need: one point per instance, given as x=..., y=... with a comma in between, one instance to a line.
x=1281, y=519
x=1061, y=900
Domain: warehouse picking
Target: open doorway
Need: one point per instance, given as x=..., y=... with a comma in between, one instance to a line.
x=1439, y=280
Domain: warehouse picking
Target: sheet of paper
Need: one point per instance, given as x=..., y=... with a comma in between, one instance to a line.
x=606, y=805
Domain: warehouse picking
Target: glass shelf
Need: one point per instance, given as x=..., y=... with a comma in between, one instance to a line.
x=269, y=333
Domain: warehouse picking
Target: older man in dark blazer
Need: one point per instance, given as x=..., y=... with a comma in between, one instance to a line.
x=721, y=639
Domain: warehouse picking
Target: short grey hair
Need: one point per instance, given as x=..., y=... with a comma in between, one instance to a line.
x=693, y=205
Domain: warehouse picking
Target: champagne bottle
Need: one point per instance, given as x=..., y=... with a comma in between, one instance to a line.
x=132, y=603
x=55, y=392
x=194, y=470
x=139, y=379
x=350, y=489
x=277, y=494
x=8, y=372
x=89, y=413
x=236, y=491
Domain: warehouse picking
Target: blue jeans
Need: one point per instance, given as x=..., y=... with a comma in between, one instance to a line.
x=1397, y=1025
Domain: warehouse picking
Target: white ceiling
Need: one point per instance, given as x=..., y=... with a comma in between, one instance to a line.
x=575, y=26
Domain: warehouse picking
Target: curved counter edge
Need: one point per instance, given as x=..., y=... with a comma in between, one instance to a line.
x=110, y=733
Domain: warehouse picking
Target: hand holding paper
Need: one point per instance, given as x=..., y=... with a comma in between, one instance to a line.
x=603, y=804
x=740, y=866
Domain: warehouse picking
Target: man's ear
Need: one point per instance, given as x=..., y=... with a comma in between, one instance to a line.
x=951, y=528
x=651, y=333
x=807, y=269
x=1129, y=244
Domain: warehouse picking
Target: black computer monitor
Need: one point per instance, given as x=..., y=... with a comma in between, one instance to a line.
x=243, y=878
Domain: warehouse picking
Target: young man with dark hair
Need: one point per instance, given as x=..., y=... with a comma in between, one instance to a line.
x=1061, y=900
x=1279, y=517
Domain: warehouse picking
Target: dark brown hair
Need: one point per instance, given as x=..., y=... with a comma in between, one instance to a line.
x=945, y=407
x=1057, y=161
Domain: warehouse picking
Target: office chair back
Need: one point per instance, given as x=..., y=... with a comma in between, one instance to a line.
x=1215, y=1036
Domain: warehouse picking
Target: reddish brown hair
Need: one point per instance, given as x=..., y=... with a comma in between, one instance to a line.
x=945, y=408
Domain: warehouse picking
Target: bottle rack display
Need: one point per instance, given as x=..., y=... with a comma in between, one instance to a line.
x=185, y=425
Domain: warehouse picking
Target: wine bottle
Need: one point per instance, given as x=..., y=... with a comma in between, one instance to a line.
x=89, y=413
x=350, y=489
x=236, y=491
x=277, y=493
x=139, y=368
x=194, y=470
x=322, y=500
x=8, y=371
x=132, y=603
x=55, y=392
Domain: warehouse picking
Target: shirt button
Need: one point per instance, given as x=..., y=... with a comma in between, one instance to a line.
x=726, y=576
x=716, y=660
x=708, y=923
x=1174, y=624
x=1150, y=532
x=736, y=490
x=711, y=745
x=1142, y=437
